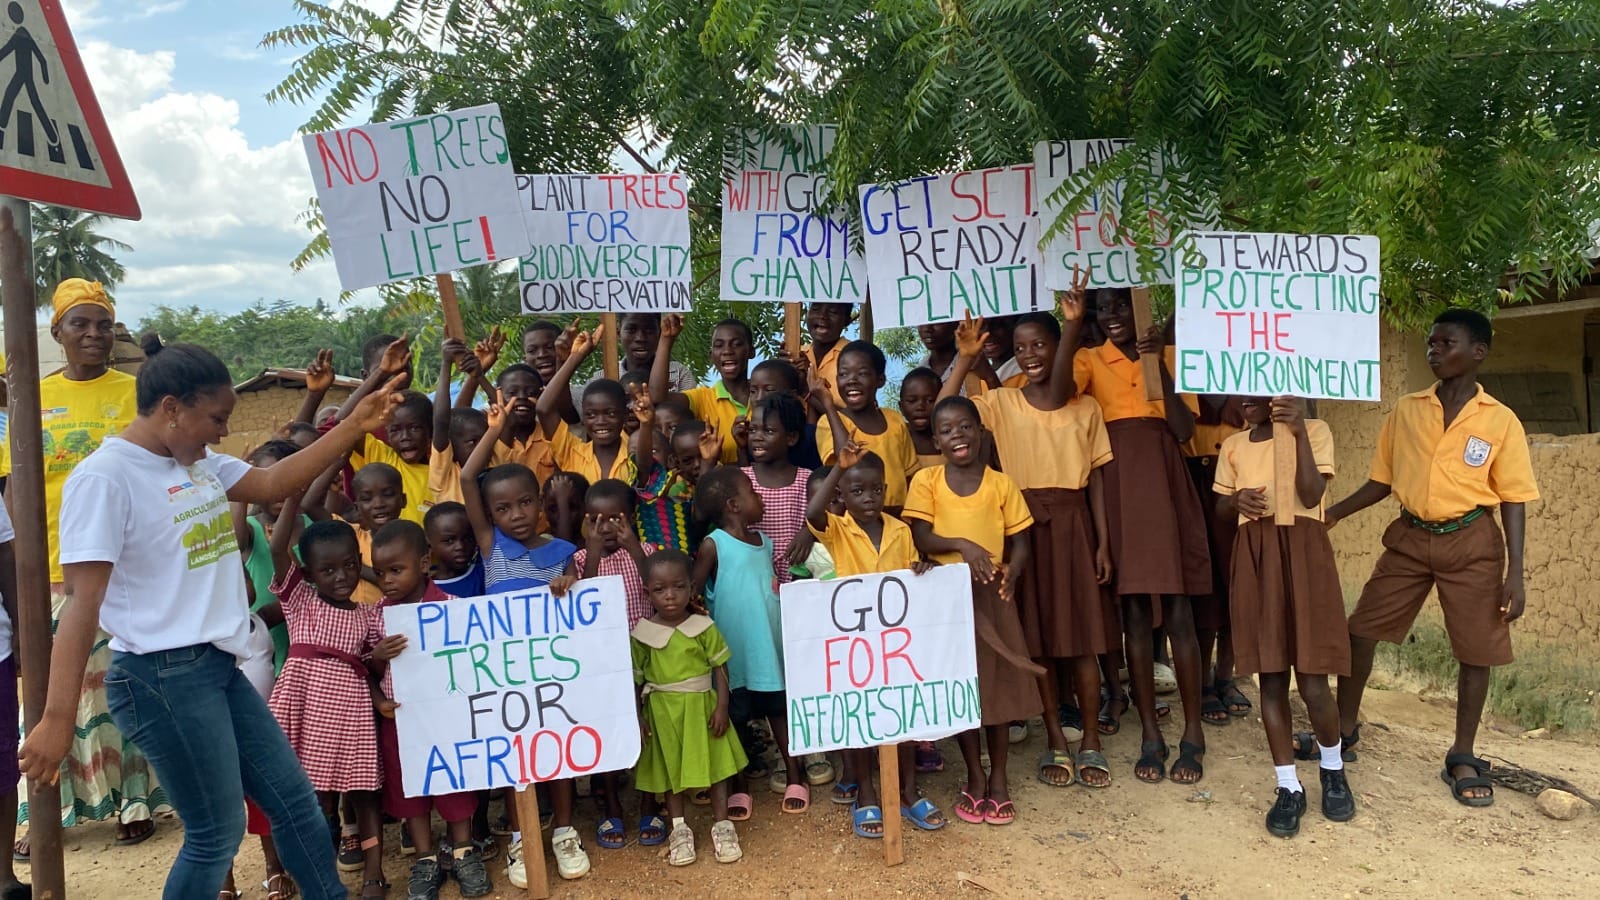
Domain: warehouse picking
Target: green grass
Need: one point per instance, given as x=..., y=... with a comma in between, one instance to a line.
x=1547, y=686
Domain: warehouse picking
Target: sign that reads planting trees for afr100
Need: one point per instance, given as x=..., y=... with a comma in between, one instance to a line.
x=506, y=690
x=1273, y=314
x=940, y=246
x=779, y=243
x=879, y=659
x=417, y=197
x=605, y=243
x=1094, y=238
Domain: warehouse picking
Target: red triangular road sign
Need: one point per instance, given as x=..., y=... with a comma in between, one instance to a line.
x=54, y=144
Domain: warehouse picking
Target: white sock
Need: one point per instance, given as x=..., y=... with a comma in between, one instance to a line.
x=1332, y=757
x=1288, y=778
x=516, y=837
x=677, y=822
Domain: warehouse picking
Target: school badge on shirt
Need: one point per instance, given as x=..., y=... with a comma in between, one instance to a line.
x=1477, y=452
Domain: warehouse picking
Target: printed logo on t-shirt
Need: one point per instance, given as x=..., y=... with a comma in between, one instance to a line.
x=1477, y=452
x=208, y=541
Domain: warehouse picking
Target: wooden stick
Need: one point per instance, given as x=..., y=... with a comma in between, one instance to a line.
x=1283, y=474
x=453, y=328
x=1150, y=366
x=864, y=324
x=532, y=843
x=791, y=328
x=894, y=851
x=609, y=342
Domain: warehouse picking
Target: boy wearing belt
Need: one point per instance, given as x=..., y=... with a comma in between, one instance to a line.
x=1450, y=454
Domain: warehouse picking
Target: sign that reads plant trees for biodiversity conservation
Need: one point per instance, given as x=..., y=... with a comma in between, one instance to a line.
x=1272, y=314
x=940, y=246
x=1094, y=238
x=605, y=243
x=778, y=243
x=879, y=659
x=505, y=690
x=417, y=197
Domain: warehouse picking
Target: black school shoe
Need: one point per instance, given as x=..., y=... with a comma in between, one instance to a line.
x=1338, y=801
x=1283, y=820
x=472, y=875
x=426, y=879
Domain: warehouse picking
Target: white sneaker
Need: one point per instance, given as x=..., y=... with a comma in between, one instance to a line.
x=725, y=841
x=515, y=872
x=571, y=861
x=680, y=846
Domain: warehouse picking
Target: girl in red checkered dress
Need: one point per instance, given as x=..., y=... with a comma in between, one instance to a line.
x=775, y=425
x=322, y=698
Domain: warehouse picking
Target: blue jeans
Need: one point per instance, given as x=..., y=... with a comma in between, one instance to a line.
x=212, y=741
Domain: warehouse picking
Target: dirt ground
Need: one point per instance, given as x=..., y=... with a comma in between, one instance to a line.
x=1409, y=838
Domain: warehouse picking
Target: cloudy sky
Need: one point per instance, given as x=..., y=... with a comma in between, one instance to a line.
x=220, y=173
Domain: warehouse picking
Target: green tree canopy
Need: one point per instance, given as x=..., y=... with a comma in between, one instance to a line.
x=66, y=245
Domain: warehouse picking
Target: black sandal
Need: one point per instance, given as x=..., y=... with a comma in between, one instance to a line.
x=1212, y=710
x=1152, y=755
x=1459, y=786
x=1232, y=698
x=381, y=883
x=1188, y=759
x=1105, y=721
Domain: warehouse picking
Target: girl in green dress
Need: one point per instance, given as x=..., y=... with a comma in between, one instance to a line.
x=680, y=664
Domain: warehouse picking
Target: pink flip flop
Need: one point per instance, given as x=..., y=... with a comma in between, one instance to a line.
x=972, y=813
x=799, y=792
x=740, y=801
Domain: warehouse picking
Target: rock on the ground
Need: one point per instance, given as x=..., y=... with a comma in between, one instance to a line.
x=1559, y=804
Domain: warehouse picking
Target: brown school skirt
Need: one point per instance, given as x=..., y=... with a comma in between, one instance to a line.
x=1288, y=609
x=1062, y=609
x=1008, y=687
x=1158, y=531
x=1211, y=610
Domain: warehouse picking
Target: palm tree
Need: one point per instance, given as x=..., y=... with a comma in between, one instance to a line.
x=66, y=245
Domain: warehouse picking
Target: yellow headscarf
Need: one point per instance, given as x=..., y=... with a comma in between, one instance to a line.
x=78, y=292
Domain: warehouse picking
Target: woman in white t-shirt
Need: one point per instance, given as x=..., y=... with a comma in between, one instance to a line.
x=148, y=551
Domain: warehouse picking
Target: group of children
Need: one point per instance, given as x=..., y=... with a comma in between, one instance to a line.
x=1092, y=520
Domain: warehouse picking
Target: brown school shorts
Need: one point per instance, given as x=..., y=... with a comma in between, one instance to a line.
x=1468, y=567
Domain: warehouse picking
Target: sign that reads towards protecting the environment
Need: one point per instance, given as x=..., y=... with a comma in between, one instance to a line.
x=778, y=245
x=940, y=246
x=1272, y=314
x=417, y=197
x=879, y=659
x=505, y=690
x=1094, y=238
x=605, y=243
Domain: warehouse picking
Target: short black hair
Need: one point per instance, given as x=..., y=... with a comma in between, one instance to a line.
x=523, y=368
x=276, y=450
x=817, y=476
x=465, y=416
x=715, y=489
x=670, y=556
x=692, y=427
x=607, y=388
x=401, y=530
x=786, y=407
x=783, y=368
x=1476, y=324
x=375, y=470
x=331, y=531
x=749, y=336
x=957, y=402
x=417, y=403
x=542, y=325
x=440, y=510
x=633, y=377
x=654, y=318
x=869, y=460
x=372, y=350
x=874, y=356
x=678, y=403
x=613, y=489
x=1042, y=319
x=295, y=428
x=508, y=472
x=921, y=372
x=1097, y=296
x=184, y=371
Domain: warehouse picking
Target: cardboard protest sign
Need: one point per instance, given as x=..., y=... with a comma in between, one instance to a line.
x=940, y=246
x=777, y=245
x=1094, y=238
x=504, y=690
x=1272, y=314
x=605, y=243
x=417, y=197
x=879, y=659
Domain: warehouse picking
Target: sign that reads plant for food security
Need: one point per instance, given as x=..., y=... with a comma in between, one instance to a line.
x=1273, y=314
x=1095, y=238
x=510, y=689
x=779, y=243
x=940, y=246
x=417, y=197
x=605, y=243
x=879, y=659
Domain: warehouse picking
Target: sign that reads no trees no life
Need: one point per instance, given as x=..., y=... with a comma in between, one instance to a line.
x=1273, y=314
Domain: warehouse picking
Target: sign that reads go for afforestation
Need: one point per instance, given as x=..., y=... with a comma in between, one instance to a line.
x=506, y=690
x=417, y=197
x=605, y=243
x=1095, y=238
x=940, y=246
x=1273, y=314
x=779, y=242
x=879, y=659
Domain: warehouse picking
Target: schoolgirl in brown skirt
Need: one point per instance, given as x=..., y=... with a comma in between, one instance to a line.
x=1287, y=608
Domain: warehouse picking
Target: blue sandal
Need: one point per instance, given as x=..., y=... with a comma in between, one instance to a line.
x=862, y=816
x=610, y=835
x=844, y=792
x=648, y=824
x=920, y=813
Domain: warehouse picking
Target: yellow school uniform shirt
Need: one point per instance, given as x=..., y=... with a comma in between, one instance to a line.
x=366, y=592
x=1207, y=439
x=444, y=477
x=1045, y=449
x=76, y=417
x=715, y=407
x=852, y=550
x=893, y=445
x=827, y=367
x=994, y=512
x=1117, y=383
x=573, y=455
x=533, y=453
x=1440, y=473
x=1244, y=463
x=414, y=477
x=929, y=460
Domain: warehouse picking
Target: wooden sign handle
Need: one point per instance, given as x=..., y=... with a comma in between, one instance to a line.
x=894, y=852
x=609, y=344
x=453, y=327
x=1149, y=366
x=864, y=322
x=532, y=843
x=791, y=329
x=1283, y=474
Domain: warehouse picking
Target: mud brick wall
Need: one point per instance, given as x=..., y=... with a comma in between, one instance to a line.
x=258, y=415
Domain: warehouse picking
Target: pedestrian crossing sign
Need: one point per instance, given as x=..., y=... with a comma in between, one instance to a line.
x=54, y=144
